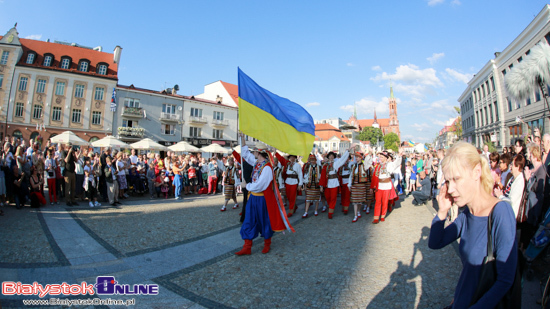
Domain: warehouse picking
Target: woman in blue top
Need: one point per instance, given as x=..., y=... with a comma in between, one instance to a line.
x=469, y=183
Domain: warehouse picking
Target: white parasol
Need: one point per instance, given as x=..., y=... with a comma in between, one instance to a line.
x=68, y=137
x=148, y=144
x=109, y=141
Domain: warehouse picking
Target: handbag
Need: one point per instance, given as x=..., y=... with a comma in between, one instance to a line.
x=488, y=277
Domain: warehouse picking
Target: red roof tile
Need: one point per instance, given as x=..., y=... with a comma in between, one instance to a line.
x=74, y=52
x=325, y=126
x=326, y=135
x=233, y=91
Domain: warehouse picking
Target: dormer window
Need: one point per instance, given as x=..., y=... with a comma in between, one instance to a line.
x=48, y=60
x=102, y=69
x=65, y=63
x=83, y=66
x=30, y=58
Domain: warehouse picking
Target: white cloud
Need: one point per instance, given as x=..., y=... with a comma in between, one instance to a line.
x=436, y=56
x=420, y=127
x=367, y=106
x=376, y=68
x=34, y=36
x=435, y=2
x=456, y=2
x=313, y=104
x=349, y=64
x=412, y=75
x=465, y=78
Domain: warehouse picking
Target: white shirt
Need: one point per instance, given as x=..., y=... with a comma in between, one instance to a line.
x=333, y=183
x=50, y=163
x=265, y=177
x=133, y=159
x=515, y=194
x=367, y=163
x=296, y=170
x=391, y=167
x=120, y=168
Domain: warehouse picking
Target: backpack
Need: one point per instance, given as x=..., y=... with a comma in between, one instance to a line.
x=528, y=199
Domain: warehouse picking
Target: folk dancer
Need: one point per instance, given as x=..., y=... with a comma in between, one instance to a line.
x=278, y=170
x=264, y=212
x=383, y=186
x=231, y=179
x=370, y=192
x=292, y=174
x=358, y=181
x=312, y=175
x=329, y=179
x=343, y=177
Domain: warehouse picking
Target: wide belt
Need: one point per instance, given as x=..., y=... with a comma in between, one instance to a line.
x=385, y=180
x=332, y=176
x=257, y=194
x=292, y=176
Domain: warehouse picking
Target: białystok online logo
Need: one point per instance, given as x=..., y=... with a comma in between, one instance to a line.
x=105, y=285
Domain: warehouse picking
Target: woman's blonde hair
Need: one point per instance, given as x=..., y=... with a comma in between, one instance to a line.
x=534, y=150
x=18, y=151
x=464, y=156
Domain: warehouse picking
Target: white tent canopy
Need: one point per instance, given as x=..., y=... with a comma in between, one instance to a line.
x=68, y=137
x=183, y=146
x=148, y=144
x=109, y=141
x=215, y=148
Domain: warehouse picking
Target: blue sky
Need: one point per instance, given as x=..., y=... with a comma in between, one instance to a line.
x=324, y=55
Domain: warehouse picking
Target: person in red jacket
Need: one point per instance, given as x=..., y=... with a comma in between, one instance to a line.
x=343, y=177
x=329, y=179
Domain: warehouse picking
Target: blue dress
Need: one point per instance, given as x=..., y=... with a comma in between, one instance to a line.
x=472, y=231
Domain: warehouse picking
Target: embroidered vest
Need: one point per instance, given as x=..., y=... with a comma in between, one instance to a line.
x=258, y=170
x=313, y=174
x=230, y=175
x=360, y=176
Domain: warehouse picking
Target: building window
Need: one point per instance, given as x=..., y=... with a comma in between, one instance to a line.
x=37, y=111
x=537, y=95
x=492, y=83
x=76, y=115
x=168, y=129
x=65, y=63
x=130, y=123
x=102, y=69
x=129, y=102
x=218, y=115
x=496, y=110
x=196, y=112
x=528, y=101
x=23, y=83
x=509, y=104
x=96, y=117
x=1, y=80
x=41, y=86
x=56, y=114
x=491, y=112
x=4, y=59
x=79, y=91
x=48, y=61
x=19, y=108
x=60, y=88
x=482, y=91
x=99, y=92
x=217, y=134
x=83, y=67
x=30, y=58
x=504, y=73
x=195, y=132
x=169, y=108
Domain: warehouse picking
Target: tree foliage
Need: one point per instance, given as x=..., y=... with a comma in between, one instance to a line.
x=458, y=126
x=371, y=134
x=391, y=141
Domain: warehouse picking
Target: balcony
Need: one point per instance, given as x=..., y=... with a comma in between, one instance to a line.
x=133, y=112
x=131, y=132
x=219, y=123
x=197, y=120
x=168, y=117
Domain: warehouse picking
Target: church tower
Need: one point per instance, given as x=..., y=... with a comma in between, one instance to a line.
x=394, y=122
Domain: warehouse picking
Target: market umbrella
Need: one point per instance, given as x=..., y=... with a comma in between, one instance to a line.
x=109, y=141
x=68, y=137
x=183, y=146
x=148, y=144
x=215, y=148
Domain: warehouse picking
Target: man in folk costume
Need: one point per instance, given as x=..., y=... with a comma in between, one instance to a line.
x=312, y=175
x=370, y=192
x=231, y=179
x=265, y=213
x=278, y=172
x=383, y=186
x=247, y=175
x=343, y=177
x=358, y=182
x=292, y=174
x=329, y=179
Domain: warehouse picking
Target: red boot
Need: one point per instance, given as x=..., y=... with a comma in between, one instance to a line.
x=267, y=245
x=330, y=215
x=247, y=248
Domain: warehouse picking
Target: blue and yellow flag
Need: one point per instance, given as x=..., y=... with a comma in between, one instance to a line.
x=411, y=144
x=274, y=120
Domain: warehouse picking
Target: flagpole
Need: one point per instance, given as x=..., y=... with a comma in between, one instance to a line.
x=242, y=167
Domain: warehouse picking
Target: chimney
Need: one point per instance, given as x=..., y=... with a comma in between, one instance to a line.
x=497, y=54
x=116, y=54
x=174, y=91
x=98, y=48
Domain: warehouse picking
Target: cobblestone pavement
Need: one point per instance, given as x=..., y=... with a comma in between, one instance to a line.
x=187, y=248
